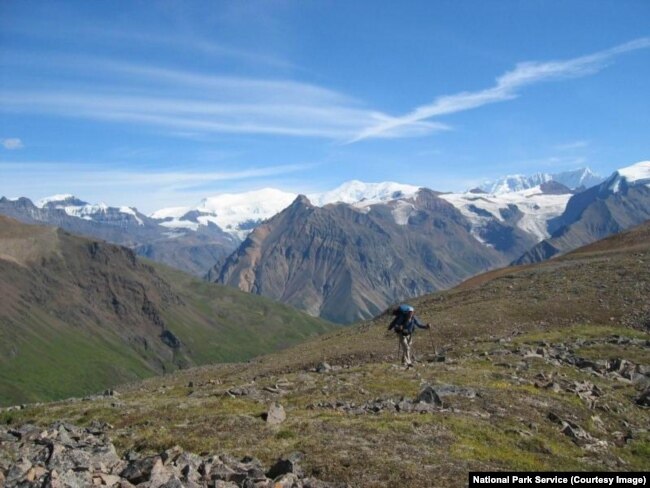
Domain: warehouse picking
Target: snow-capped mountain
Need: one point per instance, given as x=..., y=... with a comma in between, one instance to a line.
x=190, y=250
x=577, y=179
x=75, y=207
x=65, y=198
x=637, y=174
x=358, y=193
x=618, y=203
x=239, y=213
x=235, y=213
x=530, y=210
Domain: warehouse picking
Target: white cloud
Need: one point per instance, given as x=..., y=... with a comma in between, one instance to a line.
x=147, y=190
x=154, y=96
x=12, y=144
x=95, y=175
x=191, y=45
x=506, y=87
x=570, y=146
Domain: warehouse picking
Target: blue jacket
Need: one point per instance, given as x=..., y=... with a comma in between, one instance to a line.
x=408, y=327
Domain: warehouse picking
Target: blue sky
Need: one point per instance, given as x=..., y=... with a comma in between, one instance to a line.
x=156, y=104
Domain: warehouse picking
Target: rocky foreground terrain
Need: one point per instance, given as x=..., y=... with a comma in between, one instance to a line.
x=540, y=401
x=69, y=456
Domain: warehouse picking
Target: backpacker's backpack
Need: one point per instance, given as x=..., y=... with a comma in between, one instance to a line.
x=401, y=314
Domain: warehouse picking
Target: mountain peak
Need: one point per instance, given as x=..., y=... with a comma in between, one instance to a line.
x=636, y=174
x=355, y=191
x=302, y=200
x=61, y=199
x=582, y=177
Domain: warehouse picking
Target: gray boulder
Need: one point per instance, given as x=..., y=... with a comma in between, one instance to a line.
x=286, y=465
x=643, y=399
x=276, y=414
x=429, y=395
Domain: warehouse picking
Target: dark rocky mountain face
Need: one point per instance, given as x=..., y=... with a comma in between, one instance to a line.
x=555, y=188
x=344, y=263
x=64, y=294
x=191, y=251
x=592, y=215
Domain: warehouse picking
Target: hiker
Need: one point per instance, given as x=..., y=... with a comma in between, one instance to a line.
x=404, y=325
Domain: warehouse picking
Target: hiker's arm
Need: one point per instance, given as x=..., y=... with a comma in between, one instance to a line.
x=421, y=326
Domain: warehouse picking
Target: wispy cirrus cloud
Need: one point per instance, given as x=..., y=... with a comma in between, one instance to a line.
x=573, y=145
x=95, y=174
x=12, y=143
x=190, y=44
x=183, y=101
x=122, y=185
x=506, y=87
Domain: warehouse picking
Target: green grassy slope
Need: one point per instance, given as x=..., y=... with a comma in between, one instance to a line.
x=47, y=359
x=222, y=324
x=78, y=316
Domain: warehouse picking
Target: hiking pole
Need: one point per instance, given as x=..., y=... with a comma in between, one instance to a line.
x=433, y=346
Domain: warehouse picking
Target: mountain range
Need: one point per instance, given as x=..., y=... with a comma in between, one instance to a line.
x=579, y=179
x=192, y=239
x=240, y=213
x=348, y=253
x=345, y=262
x=618, y=203
x=190, y=249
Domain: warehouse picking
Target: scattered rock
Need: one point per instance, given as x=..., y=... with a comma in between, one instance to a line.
x=323, y=368
x=286, y=465
x=88, y=459
x=140, y=470
x=276, y=414
x=579, y=436
x=429, y=395
x=643, y=399
x=239, y=391
x=453, y=390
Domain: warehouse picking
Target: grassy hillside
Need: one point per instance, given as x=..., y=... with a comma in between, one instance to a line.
x=77, y=316
x=222, y=324
x=543, y=369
